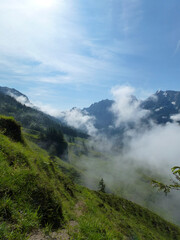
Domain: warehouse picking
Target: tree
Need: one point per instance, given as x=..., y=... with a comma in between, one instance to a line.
x=167, y=188
x=54, y=142
x=101, y=186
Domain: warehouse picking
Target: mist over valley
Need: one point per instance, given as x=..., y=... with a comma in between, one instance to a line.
x=128, y=142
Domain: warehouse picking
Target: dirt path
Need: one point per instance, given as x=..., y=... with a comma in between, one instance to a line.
x=80, y=208
x=63, y=234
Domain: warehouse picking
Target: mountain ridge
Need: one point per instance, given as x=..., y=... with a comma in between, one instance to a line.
x=162, y=105
x=12, y=92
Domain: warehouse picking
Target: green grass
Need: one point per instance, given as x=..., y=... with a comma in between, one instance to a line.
x=124, y=178
x=38, y=192
x=31, y=189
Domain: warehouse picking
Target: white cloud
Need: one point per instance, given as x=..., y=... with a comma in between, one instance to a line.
x=47, y=108
x=126, y=108
x=153, y=97
x=79, y=120
x=157, y=147
x=43, y=32
x=147, y=153
x=56, y=80
x=130, y=15
x=51, y=33
x=21, y=99
x=175, y=117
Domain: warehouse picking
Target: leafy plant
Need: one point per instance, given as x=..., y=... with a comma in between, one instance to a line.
x=167, y=188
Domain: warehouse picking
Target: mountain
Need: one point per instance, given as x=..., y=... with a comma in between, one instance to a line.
x=15, y=94
x=50, y=132
x=39, y=201
x=30, y=117
x=162, y=105
x=101, y=111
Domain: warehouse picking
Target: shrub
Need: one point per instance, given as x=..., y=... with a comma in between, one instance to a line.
x=11, y=128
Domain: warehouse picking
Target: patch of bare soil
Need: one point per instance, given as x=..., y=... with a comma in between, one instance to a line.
x=80, y=208
x=62, y=235
x=72, y=226
x=38, y=235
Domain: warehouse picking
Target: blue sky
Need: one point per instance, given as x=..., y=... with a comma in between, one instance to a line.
x=66, y=53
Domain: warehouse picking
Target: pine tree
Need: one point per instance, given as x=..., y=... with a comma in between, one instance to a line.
x=102, y=186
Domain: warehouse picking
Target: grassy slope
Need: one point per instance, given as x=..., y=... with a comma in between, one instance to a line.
x=36, y=194
x=123, y=178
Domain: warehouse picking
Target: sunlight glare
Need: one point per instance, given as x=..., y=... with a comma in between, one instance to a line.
x=45, y=3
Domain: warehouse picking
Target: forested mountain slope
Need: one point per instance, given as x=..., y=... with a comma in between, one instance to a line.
x=31, y=117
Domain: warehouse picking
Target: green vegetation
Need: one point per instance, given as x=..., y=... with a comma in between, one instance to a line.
x=167, y=188
x=10, y=128
x=123, y=178
x=35, y=194
x=47, y=130
x=32, y=118
x=28, y=195
x=53, y=140
x=102, y=186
